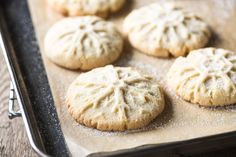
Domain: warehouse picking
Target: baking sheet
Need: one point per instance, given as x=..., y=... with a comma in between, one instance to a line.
x=180, y=120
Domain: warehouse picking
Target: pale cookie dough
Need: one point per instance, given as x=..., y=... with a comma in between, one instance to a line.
x=206, y=76
x=83, y=43
x=114, y=99
x=163, y=30
x=86, y=7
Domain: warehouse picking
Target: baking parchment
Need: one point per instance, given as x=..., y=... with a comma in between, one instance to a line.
x=180, y=120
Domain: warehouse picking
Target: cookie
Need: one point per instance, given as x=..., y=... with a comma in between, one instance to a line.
x=162, y=30
x=206, y=76
x=83, y=43
x=114, y=99
x=100, y=8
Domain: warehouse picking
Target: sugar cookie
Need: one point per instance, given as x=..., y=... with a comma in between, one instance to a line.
x=206, y=76
x=83, y=43
x=163, y=29
x=114, y=98
x=86, y=7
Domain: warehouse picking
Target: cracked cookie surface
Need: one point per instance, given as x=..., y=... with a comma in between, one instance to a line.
x=83, y=43
x=114, y=99
x=206, y=76
x=86, y=7
x=163, y=29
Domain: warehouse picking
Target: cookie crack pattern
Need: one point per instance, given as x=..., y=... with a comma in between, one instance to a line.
x=117, y=85
x=90, y=32
x=98, y=98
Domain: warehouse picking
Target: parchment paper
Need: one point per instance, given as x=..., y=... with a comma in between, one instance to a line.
x=180, y=120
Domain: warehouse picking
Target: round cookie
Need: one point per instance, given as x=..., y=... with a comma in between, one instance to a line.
x=163, y=30
x=206, y=76
x=83, y=43
x=86, y=7
x=114, y=99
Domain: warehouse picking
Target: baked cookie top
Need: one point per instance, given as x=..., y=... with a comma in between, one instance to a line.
x=206, y=76
x=86, y=7
x=83, y=42
x=114, y=98
x=164, y=29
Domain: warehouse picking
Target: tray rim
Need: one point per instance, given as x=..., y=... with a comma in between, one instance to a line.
x=6, y=47
x=35, y=129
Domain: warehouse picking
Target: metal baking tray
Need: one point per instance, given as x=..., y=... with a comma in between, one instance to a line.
x=31, y=87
